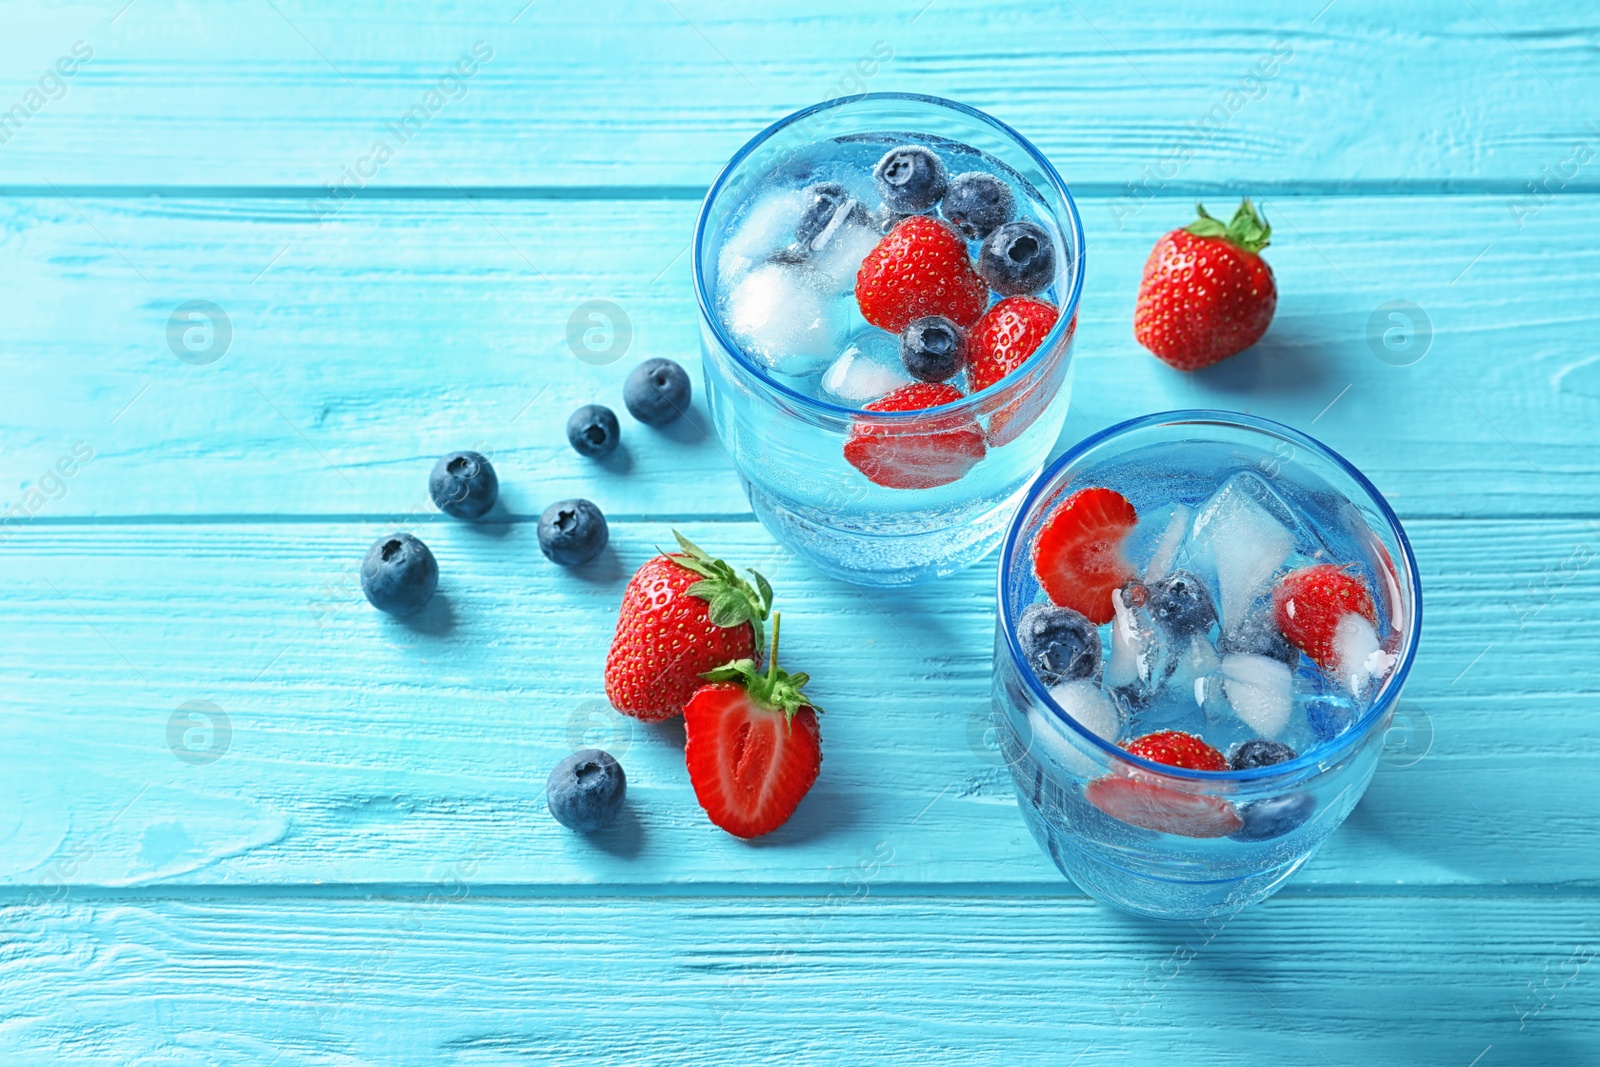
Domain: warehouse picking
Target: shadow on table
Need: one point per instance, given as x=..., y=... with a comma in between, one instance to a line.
x=1287, y=362
x=436, y=619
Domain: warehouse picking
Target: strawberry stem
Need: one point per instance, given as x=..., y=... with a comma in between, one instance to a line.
x=1247, y=229
x=772, y=660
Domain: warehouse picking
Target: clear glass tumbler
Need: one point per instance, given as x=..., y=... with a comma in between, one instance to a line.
x=1055, y=762
x=787, y=443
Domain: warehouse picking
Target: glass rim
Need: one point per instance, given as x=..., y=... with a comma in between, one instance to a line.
x=1068, y=308
x=1312, y=759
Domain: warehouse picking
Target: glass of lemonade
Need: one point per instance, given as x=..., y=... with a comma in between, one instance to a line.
x=888, y=287
x=1205, y=620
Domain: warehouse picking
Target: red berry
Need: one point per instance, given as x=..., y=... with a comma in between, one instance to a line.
x=1157, y=807
x=1309, y=603
x=1178, y=749
x=682, y=615
x=1206, y=293
x=1078, y=553
x=919, y=268
x=1005, y=337
x=752, y=745
x=1167, y=811
x=921, y=454
x=1002, y=341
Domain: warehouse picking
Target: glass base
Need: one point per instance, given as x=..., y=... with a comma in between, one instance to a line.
x=1148, y=894
x=884, y=559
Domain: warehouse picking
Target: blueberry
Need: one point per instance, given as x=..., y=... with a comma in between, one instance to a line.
x=592, y=430
x=1017, y=259
x=932, y=348
x=657, y=391
x=463, y=484
x=399, y=574
x=1059, y=643
x=1259, y=635
x=572, y=532
x=977, y=202
x=1259, y=752
x=884, y=218
x=1274, y=817
x=823, y=202
x=585, y=790
x=911, y=178
x=1181, y=603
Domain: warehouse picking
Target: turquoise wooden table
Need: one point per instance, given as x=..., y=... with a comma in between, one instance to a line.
x=353, y=863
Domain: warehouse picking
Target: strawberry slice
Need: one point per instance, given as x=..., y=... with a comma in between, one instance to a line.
x=1310, y=603
x=923, y=454
x=752, y=745
x=919, y=268
x=1154, y=807
x=1167, y=811
x=1078, y=553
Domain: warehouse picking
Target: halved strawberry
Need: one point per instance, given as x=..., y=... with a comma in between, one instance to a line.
x=1167, y=811
x=919, y=268
x=921, y=454
x=1140, y=802
x=752, y=745
x=1310, y=603
x=1078, y=553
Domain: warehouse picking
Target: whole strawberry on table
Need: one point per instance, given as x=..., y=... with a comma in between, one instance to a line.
x=682, y=614
x=1206, y=293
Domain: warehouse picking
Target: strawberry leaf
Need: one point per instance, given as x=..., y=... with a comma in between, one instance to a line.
x=773, y=688
x=1247, y=229
x=730, y=600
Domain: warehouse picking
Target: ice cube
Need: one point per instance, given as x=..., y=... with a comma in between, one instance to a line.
x=1197, y=660
x=1360, y=658
x=1240, y=541
x=787, y=317
x=1090, y=708
x=767, y=226
x=1259, y=689
x=837, y=252
x=1141, y=654
x=1172, y=522
x=869, y=368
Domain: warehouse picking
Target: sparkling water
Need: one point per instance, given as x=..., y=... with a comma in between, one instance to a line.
x=786, y=302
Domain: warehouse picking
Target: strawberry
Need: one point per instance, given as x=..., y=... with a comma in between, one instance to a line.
x=1005, y=337
x=1178, y=749
x=682, y=614
x=1206, y=293
x=1168, y=811
x=1155, y=807
x=1002, y=341
x=751, y=744
x=915, y=455
x=919, y=268
x=1078, y=553
x=1310, y=603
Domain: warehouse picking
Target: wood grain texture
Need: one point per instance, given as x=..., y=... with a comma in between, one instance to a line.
x=446, y=978
x=364, y=750
x=648, y=94
x=363, y=349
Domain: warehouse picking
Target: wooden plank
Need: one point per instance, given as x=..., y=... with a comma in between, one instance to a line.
x=363, y=750
x=443, y=976
x=1165, y=96
x=363, y=349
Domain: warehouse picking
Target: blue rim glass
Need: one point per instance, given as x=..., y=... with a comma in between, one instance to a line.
x=1313, y=759
x=1069, y=306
